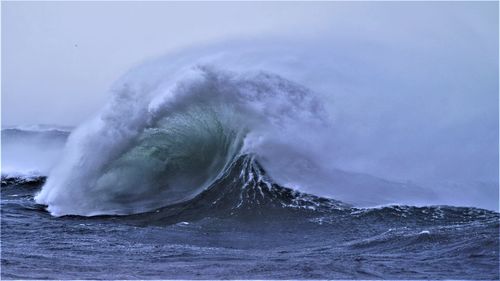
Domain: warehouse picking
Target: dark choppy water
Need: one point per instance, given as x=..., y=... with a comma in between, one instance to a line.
x=257, y=240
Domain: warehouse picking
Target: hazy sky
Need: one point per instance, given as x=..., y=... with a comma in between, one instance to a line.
x=421, y=77
x=59, y=58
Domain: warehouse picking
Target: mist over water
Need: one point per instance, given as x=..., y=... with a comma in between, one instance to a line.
x=319, y=119
x=31, y=149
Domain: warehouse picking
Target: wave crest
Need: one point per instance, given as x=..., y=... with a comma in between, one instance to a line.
x=160, y=143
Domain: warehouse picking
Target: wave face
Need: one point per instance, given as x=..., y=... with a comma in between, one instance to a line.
x=163, y=143
x=244, y=191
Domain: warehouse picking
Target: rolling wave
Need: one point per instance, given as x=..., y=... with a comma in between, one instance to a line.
x=171, y=130
x=154, y=148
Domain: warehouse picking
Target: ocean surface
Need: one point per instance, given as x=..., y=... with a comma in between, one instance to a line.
x=244, y=227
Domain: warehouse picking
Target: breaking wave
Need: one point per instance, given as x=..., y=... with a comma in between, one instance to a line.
x=163, y=143
x=174, y=125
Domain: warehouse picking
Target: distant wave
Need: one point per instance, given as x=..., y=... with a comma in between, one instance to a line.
x=28, y=150
x=23, y=179
x=41, y=128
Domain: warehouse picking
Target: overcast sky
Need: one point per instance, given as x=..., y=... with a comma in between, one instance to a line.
x=423, y=75
x=59, y=58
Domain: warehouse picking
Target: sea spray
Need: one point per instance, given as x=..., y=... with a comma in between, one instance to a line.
x=150, y=149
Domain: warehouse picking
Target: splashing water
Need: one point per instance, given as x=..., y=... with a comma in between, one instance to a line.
x=156, y=147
